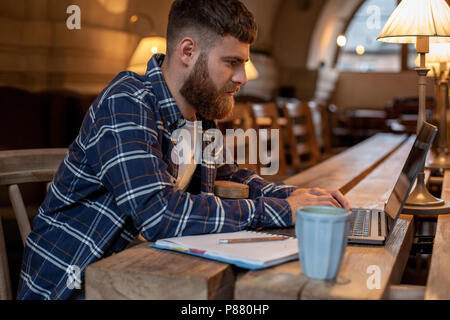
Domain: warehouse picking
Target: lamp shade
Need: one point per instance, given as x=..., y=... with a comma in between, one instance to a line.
x=146, y=48
x=251, y=71
x=413, y=18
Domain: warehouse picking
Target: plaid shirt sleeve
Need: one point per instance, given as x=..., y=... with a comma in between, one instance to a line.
x=131, y=166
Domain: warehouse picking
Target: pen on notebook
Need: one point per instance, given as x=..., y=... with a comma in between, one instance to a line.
x=243, y=240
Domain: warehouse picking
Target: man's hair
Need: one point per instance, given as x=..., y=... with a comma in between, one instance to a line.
x=209, y=19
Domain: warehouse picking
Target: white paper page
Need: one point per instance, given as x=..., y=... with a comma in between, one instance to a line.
x=263, y=252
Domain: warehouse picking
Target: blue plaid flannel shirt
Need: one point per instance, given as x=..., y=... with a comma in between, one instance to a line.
x=117, y=181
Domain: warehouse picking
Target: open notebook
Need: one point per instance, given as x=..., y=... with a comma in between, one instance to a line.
x=252, y=255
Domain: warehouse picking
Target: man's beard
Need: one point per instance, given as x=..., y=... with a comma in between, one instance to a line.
x=200, y=91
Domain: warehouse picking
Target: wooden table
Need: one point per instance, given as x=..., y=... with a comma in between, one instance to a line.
x=438, y=282
x=287, y=282
x=366, y=173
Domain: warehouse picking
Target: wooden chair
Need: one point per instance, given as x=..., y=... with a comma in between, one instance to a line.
x=19, y=167
x=241, y=118
x=319, y=115
x=303, y=147
x=322, y=125
x=404, y=111
x=267, y=116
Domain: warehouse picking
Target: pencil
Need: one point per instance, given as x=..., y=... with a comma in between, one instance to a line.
x=243, y=240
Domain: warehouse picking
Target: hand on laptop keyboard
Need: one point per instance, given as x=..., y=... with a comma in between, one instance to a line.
x=316, y=197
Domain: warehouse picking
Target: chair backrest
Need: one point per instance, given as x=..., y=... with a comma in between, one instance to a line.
x=406, y=109
x=267, y=116
x=303, y=148
x=240, y=118
x=320, y=118
x=18, y=167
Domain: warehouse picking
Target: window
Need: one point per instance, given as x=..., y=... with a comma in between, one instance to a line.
x=362, y=33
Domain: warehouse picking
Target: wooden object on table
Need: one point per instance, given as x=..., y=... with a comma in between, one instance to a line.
x=346, y=169
x=18, y=167
x=147, y=273
x=438, y=282
x=303, y=147
x=231, y=190
x=267, y=117
x=352, y=279
x=240, y=118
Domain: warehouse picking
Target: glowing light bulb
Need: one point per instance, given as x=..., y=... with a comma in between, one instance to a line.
x=360, y=50
x=341, y=40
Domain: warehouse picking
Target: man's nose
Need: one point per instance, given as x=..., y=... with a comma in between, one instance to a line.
x=240, y=77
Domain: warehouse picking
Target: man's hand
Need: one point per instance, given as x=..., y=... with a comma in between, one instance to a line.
x=316, y=197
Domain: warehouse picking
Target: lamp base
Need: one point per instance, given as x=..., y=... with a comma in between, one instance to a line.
x=442, y=161
x=431, y=210
x=422, y=202
x=420, y=196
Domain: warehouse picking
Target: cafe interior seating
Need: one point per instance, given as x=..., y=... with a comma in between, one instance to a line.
x=402, y=113
x=57, y=115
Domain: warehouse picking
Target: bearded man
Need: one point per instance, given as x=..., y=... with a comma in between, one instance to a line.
x=118, y=179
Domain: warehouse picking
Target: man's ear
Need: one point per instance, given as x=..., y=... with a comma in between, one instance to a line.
x=187, y=50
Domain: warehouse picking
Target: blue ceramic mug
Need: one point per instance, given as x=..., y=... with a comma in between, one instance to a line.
x=322, y=239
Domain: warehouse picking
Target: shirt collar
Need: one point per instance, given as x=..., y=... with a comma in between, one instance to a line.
x=170, y=112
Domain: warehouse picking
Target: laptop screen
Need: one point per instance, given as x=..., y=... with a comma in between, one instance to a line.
x=411, y=169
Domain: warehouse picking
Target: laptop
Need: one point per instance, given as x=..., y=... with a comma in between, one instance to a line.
x=373, y=226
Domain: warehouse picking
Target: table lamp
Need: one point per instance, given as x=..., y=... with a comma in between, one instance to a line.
x=420, y=22
x=147, y=47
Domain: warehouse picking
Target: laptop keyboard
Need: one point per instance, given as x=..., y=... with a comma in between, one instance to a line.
x=360, y=222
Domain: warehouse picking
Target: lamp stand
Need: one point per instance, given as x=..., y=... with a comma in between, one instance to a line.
x=420, y=200
x=442, y=161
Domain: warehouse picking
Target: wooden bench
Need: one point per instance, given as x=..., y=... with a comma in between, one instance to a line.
x=146, y=273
